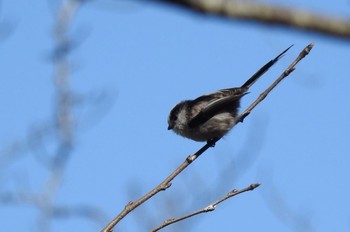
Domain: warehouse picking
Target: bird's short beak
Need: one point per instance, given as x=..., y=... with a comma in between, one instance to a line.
x=170, y=127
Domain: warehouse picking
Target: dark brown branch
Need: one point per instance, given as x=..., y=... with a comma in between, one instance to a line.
x=209, y=208
x=167, y=182
x=299, y=19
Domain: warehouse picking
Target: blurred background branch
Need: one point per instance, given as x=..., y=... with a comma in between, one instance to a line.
x=298, y=19
x=62, y=131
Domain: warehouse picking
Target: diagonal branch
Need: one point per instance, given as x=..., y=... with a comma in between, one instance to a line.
x=161, y=187
x=167, y=182
x=288, y=71
x=207, y=209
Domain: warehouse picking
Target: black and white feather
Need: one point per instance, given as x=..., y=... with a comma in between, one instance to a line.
x=211, y=116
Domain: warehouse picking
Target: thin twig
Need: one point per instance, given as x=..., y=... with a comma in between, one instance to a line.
x=167, y=182
x=209, y=208
x=162, y=186
x=263, y=95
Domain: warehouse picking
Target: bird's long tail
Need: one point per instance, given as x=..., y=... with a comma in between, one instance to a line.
x=262, y=70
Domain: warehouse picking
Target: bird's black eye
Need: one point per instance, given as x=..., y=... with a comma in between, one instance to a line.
x=173, y=118
x=174, y=113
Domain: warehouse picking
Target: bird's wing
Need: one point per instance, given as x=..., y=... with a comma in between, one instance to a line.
x=229, y=103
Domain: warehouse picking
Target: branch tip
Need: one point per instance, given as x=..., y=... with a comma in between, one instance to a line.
x=309, y=47
x=254, y=186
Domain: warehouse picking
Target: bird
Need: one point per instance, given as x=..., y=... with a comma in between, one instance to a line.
x=211, y=116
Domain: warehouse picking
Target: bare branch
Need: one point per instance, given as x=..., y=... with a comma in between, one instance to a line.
x=167, y=182
x=162, y=186
x=288, y=71
x=299, y=19
x=209, y=208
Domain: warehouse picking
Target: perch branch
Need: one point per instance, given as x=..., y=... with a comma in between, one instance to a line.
x=167, y=182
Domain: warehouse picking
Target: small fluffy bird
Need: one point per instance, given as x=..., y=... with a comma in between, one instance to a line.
x=211, y=116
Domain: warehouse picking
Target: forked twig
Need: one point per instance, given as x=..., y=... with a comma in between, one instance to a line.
x=207, y=209
x=167, y=182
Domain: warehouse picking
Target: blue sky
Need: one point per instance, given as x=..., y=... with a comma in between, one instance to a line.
x=133, y=62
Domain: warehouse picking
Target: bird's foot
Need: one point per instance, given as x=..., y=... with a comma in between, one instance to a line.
x=211, y=142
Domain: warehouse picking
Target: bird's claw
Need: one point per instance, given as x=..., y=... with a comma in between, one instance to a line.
x=211, y=142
